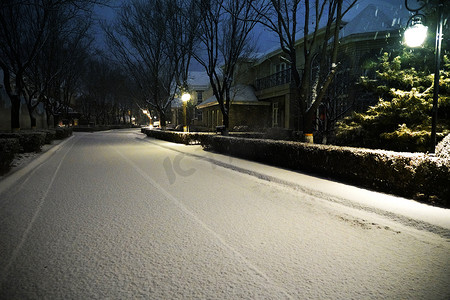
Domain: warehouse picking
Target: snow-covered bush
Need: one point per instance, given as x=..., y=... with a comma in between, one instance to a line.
x=63, y=132
x=29, y=141
x=187, y=138
x=50, y=135
x=443, y=148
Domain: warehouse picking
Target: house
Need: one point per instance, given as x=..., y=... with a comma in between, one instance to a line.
x=363, y=38
x=269, y=99
x=198, y=83
x=245, y=109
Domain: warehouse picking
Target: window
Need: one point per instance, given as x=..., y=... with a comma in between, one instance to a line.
x=280, y=67
x=280, y=74
x=275, y=115
x=199, y=96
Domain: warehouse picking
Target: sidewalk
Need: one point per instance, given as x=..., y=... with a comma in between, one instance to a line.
x=400, y=209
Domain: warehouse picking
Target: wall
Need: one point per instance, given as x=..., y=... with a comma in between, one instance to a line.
x=254, y=116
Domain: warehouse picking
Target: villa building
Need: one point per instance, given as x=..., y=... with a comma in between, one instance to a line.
x=263, y=95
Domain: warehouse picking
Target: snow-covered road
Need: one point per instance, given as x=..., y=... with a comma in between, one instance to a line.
x=118, y=215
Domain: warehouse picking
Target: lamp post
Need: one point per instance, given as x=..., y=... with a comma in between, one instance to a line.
x=416, y=29
x=185, y=98
x=147, y=113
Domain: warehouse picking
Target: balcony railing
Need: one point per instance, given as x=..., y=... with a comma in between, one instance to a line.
x=276, y=79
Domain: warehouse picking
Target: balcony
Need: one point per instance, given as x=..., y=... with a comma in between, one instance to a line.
x=276, y=79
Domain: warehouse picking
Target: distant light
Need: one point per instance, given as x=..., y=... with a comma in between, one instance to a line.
x=145, y=112
x=415, y=35
x=186, y=97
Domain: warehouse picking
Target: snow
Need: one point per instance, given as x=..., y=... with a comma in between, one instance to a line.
x=198, y=80
x=102, y=218
x=239, y=93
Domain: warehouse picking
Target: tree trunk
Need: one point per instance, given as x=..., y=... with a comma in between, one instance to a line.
x=226, y=123
x=55, y=121
x=15, y=112
x=32, y=117
x=49, y=115
x=162, y=120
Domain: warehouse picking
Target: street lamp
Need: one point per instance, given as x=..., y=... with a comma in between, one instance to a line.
x=185, y=98
x=415, y=30
x=147, y=113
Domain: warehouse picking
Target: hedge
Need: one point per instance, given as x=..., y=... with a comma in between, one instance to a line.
x=411, y=175
x=192, y=138
x=50, y=135
x=101, y=128
x=63, y=132
x=30, y=141
x=187, y=138
x=8, y=149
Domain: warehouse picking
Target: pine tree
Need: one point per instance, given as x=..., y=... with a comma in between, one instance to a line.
x=401, y=120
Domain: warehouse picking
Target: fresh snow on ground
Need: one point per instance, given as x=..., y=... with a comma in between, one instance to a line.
x=119, y=215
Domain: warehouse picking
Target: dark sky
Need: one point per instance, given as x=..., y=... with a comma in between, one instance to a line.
x=265, y=39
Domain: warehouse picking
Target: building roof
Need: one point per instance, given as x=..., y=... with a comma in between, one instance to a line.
x=369, y=18
x=198, y=80
x=240, y=94
x=374, y=18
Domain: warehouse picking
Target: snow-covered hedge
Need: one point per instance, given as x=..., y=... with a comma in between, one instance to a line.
x=30, y=141
x=192, y=138
x=187, y=138
x=50, y=135
x=8, y=149
x=85, y=128
x=411, y=175
x=443, y=148
x=63, y=132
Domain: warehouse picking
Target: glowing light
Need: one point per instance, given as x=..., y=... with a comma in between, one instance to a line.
x=185, y=97
x=415, y=35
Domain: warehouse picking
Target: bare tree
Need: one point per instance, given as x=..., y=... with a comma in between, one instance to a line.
x=154, y=40
x=225, y=27
x=182, y=37
x=60, y=63
x=320, y=46
x=24, y=29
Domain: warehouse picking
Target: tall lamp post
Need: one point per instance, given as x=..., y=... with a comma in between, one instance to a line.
x=185, y=98
x=147, y=113
x=415, y=35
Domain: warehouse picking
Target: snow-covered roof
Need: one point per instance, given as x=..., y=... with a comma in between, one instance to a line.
x=375, y=18
x=239, y=94
x=198, y=80
x=369, y=16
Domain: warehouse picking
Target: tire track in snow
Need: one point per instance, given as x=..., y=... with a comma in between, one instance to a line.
x=202, y=224
x=36, y=213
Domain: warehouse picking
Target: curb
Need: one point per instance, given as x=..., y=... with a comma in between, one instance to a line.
x=11, y=178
